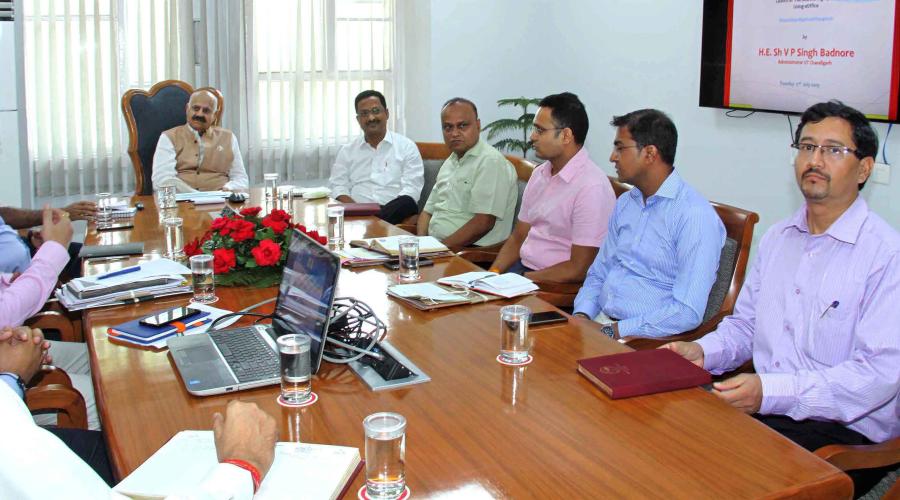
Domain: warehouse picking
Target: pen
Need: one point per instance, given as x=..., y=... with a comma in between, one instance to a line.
x=834, y=305
x=120, y=272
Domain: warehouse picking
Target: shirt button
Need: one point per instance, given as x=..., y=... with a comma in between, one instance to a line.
x=777, y=364
x=796, y=291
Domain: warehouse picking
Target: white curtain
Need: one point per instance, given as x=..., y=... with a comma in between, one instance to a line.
x=80, y=56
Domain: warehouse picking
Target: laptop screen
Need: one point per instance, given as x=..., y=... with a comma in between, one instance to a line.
x=307, y=292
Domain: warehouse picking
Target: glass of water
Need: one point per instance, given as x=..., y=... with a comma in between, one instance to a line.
x=203, y=278
x=514, y=342
x=165, y=197
x=104, y=210
x=336, y=225
x=409, y=259
x=296, y=380
x=286, y=198
x=271, y=188
x=385, y=455
x=174, y=237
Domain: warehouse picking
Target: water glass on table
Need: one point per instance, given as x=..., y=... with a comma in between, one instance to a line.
x=385, y=455
x=174, y=237
x=515, y=346
x=204, y=281
x=165, y=197
x=286, y=198
x=271, y=189
x=103, y=217
x=296, y=379
x=409, y=259
x=336, y=225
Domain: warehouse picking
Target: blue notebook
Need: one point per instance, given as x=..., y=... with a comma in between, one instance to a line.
x=134, y=331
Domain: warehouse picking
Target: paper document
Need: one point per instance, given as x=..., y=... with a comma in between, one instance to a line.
x=429, y=292
x=300, y=470
x=201, y=195
x=506, y=285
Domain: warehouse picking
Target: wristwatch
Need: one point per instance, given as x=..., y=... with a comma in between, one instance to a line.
x=18, y=380
x=608, y=330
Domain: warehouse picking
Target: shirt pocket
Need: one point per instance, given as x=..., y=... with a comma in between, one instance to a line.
x=386, y=169
x=832, y=326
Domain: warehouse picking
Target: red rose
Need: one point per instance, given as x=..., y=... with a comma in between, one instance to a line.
x=323, y=240
x=279, y=215
x=313, y=234
x=251, y=211
x=277, y=225
x=223, y=260
x=193, y=248
x=301, y=227
x=267, y=253
x=242, y=230
x=221, y=225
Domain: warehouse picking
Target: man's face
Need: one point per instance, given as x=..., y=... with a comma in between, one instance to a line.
x=829, y=174
x=545, y=135
x=461, y=127
x=627, y=156
x=372, y=117
x=201, y=111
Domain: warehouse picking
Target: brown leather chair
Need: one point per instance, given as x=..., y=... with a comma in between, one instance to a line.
x=846, y=457
x=52, y=392
x=149, y=114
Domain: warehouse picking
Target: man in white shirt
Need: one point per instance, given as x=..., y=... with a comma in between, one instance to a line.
x=34, y=464
x=197, y=156
x=378, y=167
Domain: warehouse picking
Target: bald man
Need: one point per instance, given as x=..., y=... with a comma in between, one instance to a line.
x=197, y=156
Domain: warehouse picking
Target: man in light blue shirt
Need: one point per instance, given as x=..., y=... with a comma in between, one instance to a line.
x=654, y=272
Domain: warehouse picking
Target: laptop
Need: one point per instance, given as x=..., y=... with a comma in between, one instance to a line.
x=243, y=358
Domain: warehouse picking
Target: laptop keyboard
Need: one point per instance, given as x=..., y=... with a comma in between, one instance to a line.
x=248, y=355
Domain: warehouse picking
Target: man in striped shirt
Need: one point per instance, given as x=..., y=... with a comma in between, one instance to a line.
x=658, y=263
x=818, y=314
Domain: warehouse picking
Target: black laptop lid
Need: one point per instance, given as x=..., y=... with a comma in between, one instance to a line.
x=306, y=293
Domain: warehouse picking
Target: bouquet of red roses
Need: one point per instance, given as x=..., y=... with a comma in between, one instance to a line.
x=249, y=250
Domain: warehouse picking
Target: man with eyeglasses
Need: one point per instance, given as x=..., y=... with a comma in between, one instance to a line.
x=379, y=166
x=473, y=201
x=566, y=204
x=654, y=272
x=818, y=314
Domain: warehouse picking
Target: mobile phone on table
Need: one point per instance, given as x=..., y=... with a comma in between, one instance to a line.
x=168, y=316
x=114, y=226
x=546, y=318
x=394, y=265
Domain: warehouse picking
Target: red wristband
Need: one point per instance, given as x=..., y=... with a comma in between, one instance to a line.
x=254, y=473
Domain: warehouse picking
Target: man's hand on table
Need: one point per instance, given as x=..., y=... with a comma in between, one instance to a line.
x=246, y=433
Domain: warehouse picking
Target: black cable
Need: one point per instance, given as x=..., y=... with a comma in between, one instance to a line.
x=229, y=315
x=790, y=128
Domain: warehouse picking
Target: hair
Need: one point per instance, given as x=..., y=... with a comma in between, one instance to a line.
x=460, y=100
x=215, y=100
x=651, y=127
x=365, y=94
x=567, y=111
x=864, y=135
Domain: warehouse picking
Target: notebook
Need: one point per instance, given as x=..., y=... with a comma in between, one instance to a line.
x=391, y=245
x=324, y=471
x=244, y=358
x=505, y=285
x=135, y=332
x=637, y=373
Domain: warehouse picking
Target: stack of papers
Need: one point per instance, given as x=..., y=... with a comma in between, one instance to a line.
x=203, y=196
x=158, y=339
x=428, y=292
x=505, y=285
x=390, y=245
x=300, y=470
x=312, y=192
x=146, y=281
x=361, y=257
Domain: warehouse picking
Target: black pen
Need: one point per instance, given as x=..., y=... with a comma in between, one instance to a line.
x=834, y=305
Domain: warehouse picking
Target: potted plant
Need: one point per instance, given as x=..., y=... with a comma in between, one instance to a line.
x=516, y=127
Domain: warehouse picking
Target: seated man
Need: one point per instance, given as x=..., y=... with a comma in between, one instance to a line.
x=16, y=252
x=473, y=201
x=21, y=296
x=38, y=465
x=816, y=313
x=379, y=166
x=566, y=204
x=197, y=156
x=654, y=272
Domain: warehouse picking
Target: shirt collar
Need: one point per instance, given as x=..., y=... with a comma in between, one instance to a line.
x=388, y=138
x=668, y=189
x=476, y=150
x=572, y=168
x=846, y=228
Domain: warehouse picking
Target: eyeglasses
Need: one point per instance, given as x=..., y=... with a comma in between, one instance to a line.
x=805, y=151
x=620, y=148
x=537, y=129
x=367, y=112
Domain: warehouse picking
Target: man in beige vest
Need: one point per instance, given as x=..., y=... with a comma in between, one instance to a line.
x=197, y=156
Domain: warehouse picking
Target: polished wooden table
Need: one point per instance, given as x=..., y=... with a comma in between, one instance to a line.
x=478, y=429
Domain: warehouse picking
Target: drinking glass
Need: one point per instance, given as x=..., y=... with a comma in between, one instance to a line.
x=296, y=380
x=271, y=188
x=385, y=454
x=203, y=278
x=336, y=226
x=174, y=237
x=286, y=198
x=514, y=344
x=104, y=210
x=409, y=259
x=165, y=197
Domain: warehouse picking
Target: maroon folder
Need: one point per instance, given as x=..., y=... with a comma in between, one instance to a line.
x=359, y=209
x=642, y=372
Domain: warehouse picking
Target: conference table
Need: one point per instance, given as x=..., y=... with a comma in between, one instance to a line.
x=478, y=429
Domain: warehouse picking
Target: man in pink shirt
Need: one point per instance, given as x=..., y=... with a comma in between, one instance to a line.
x=23, y=295
x=567, y=203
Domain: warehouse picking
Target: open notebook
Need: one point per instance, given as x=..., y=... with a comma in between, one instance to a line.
x=323, y=471
x=391, y=245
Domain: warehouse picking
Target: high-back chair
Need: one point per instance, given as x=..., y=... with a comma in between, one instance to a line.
x=149, y=114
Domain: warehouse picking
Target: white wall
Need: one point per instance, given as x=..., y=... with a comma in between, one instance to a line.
x=618, y=56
